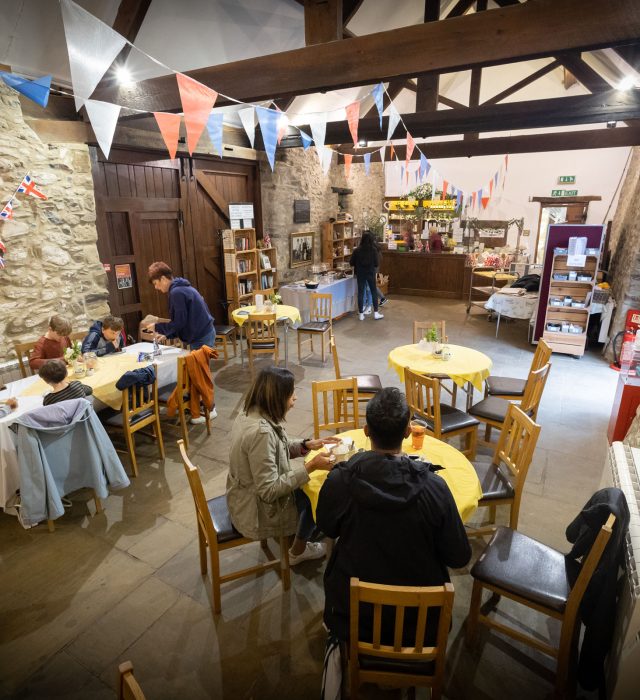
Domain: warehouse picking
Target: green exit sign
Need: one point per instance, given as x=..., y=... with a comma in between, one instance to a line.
x=564, y=193
x=566, y=179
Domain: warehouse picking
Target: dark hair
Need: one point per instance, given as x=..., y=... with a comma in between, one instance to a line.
x=367, y=240
x=114, y=323
x=53, y=371
x=387, y=418
x=158, y=270
x=270, y=393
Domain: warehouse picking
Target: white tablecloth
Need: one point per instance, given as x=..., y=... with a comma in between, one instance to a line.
x=513, y=306
x=344, y=293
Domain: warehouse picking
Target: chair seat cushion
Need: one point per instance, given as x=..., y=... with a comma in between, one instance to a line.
x=451, y=419
x=315, y=327
x=117, y=418
x=494, y=483
x=165, y=392
x=369, y=383
x=526, y=567
x=222, y=520
x=491, y=408
x=505, y=386
x=262, y=345
x=376, y=663
x=225, y=330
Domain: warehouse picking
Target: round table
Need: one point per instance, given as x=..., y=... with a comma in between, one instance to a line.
x=512, y=305
x=283, y=313
x=458, y=472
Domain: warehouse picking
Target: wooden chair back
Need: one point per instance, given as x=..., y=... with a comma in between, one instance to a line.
x=336, y=359
x=23, y=350
x=320, y=307
x=423, y=398
x=533, y=390
x=78, y=335
x=542, y=355
x=426, y=600
x=128, y=688
x=203, y=515
x=335, y=405
x=262, y=338
x=420, y=327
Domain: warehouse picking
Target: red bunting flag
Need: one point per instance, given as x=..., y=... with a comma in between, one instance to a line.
x=473, y=200
x=6, y=213
x=410, y=146
x=445, y=187
x=347, y=164
x=169, y=125
x=506, y=162
x=197, y=102
x=391, y=152
x=491, y=187
x=283, y=124
x=353, y=116
x=485, y=201
x=28, y=186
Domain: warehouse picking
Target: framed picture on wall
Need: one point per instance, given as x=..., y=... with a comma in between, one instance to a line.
x=302, y=248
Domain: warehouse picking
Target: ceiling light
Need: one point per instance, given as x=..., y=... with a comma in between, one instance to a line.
x=627, y=83
x=362, y=143
x=612, y=125
x=123, y=76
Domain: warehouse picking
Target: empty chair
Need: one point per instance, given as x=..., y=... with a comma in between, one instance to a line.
x=216, y=531
x=368, y=384
x=23, y=352
x=128, y=688
x=502, y=477
x=420, y=662
x=318, y=325
x=335, y=405
x=224, y=334
x=443, y=422
x=511, y=388
x=421, y=327
x=262, y=337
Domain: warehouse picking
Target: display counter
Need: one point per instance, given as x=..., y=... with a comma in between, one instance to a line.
x=425, y=274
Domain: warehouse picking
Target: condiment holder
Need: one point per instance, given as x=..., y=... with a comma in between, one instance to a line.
x=343, y=450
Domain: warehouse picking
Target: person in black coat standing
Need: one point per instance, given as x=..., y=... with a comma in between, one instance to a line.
x=365, y=259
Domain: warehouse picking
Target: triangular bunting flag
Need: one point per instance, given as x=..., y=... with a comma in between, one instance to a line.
x=306, y=139
x=506, y=162
x=445, y=187
x=392, y=152
x=367, y=163
x=353, y=116
x=283, y=124
x=485, y=201
x=2, y=246
x=378, y=98
x=473, y=199
x=458, y=199
x=402, y=169
x=36, y=90
x=327, y=156
x=416, y=175
x=348, y=158
x=495, y=179
x=424, y=166
x=268, y=119
x=394, y=118
x=383, y=153
x=318, y=131
x=169, y=125
x=490, y=187
x=214, y=127
x=197, y=102
x=28, y=186
x=7, y=213
x=410, y=146
x=104, y=119
x=92, y=47
x=248, y=119
x=1, y=262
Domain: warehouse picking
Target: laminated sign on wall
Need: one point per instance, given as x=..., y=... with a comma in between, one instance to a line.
x=124, y=280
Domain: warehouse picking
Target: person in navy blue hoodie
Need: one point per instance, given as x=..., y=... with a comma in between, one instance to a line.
x=191, y=320
x=105, y=336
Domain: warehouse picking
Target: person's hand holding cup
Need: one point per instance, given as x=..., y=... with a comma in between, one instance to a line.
x=323, y=460
x=418, y=430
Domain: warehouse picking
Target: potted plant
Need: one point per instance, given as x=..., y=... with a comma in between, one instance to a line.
x=431, y=340
x=73, y=356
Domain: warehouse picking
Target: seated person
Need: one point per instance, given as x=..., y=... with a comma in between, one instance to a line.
x=435, y=240
x=395, y=520
x=54, y=373
x=105, y=337
x=407, y=237
x=7, y=405
x=52, y=344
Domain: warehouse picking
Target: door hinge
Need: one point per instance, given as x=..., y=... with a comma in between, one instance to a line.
x=180, y=217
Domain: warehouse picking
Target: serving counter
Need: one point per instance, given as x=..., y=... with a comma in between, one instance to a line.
x=425, y=274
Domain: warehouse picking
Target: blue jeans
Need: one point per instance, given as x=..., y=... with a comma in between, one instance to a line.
x=367, y=296
x=208, y=339
x=306, y=524
x=364, y=281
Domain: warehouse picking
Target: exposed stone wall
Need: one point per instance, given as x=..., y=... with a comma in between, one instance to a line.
x=52, y=263
x=298, y=175
x=625, y=243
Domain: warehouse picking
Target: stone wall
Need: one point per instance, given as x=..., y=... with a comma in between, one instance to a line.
x=52, y=263
x=298, y=175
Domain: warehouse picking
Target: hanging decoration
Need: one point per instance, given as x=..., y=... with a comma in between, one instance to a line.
x=36, y=90
x=318, y=132
x=248, y=119
x=378, y=97
x=28, y=186
x=169, y=125
x=410, y=146
x=306, y=140
x=394, y=119
x=348, y=157
x=214, y=127
x=197, y=102
x=367, y=163
x=104, y=119
x=353, y=116
x=327, y=155
x=268, y=119
x=383, y=152
x=7, y=212
x=283, y=124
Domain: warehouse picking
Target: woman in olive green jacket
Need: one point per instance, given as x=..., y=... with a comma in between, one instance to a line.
x=263, y=486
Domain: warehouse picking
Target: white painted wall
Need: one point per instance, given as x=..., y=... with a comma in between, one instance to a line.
x=530, y=175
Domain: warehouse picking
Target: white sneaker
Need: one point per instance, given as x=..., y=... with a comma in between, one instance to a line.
x=378, y=316
x=368, y=310
x=361, y=317
x=198, y=421
x=214, y=413
x=313, y=550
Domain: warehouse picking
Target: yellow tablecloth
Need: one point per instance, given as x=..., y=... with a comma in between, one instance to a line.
x=103, y=381
x=458, y=472
x=465, y=365
x=282, y=311
x=499, y=276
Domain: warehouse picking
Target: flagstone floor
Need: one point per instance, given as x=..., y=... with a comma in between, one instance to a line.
x=125, y=584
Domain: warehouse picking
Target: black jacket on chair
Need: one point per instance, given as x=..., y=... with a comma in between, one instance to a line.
x=598, y=608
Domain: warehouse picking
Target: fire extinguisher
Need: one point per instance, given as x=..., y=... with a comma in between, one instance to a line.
x=628, y=335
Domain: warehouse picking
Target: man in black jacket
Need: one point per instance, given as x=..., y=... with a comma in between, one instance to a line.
x=396, y=519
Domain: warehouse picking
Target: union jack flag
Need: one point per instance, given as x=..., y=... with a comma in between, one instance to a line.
x=1, y=262
x=2, y=247
x=7, y=212
x=28, y=186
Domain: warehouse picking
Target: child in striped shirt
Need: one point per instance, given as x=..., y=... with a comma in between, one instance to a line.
x=54, y=373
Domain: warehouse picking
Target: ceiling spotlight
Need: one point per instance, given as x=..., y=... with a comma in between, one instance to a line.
x=123, y=76
x=627, y=83
x=362, y=143
x=612, y=125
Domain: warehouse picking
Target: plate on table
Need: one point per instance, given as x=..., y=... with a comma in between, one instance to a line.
x=243, y=313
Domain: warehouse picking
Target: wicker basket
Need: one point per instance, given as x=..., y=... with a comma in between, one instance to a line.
x=600, y=296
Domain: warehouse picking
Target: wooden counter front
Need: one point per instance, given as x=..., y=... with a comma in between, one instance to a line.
x=424, y=274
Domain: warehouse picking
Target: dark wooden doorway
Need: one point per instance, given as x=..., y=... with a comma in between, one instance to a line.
x=151, y=208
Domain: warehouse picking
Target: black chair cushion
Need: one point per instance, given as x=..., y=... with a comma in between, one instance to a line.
x=451, y=419
x=225, y=330
x=117, y=418
x=369, y=383
x=505, y=386
x=315, y=327
x=262, y=345
x=376, y=663
x=494, y=483
x=222, y=520
x=526, y=567
x=491, y=408
x=165, y=392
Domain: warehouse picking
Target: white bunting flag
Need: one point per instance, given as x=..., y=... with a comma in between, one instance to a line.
x=394, y=119
x=383, y=152
x=92, y=47
x=318, y=131
x=327, y=156
x=248, y=119
x=104, y=119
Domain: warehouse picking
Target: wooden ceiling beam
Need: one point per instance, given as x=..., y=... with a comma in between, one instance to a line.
x=394, y=88
x=448, y=102
x=479, y=39
x=460, y=8
x=583, y=72
x=536, y=75
x=349, y=9
x=476, y=81
x=322, y=21
x=428, y=85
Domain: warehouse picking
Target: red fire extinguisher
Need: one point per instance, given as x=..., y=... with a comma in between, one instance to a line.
x=628, y=335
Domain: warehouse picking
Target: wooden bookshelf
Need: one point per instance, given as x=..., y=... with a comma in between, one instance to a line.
x=268, y=271
x=338, y=241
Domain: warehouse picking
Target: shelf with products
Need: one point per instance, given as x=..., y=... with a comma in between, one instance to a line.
x=338, y=241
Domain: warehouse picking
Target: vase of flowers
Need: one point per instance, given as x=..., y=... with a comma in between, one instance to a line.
x=430, y=342
x=275, y=298
x=73, y=357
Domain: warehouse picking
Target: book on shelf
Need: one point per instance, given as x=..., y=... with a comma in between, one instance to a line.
x=265, y=262
x=242, y=243
x=266, y=281
x=243, y=265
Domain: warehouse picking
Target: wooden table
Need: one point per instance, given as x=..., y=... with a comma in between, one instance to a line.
x=283, y=313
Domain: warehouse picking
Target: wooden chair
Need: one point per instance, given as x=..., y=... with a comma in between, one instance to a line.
x=503, y=485
x=319, y=324
x=223, y=335
x=184, y=382
x=420, y=327
x=78, y=335
x=128, y=688
x=216, y=531
x=528, y=572
x=443, y=422
x=23, y=353
x=492, y=411
x=368, y=384
x=338, y=401
x=262, y=337
x=139, y=409
x=375, y=662
x=511, y=388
